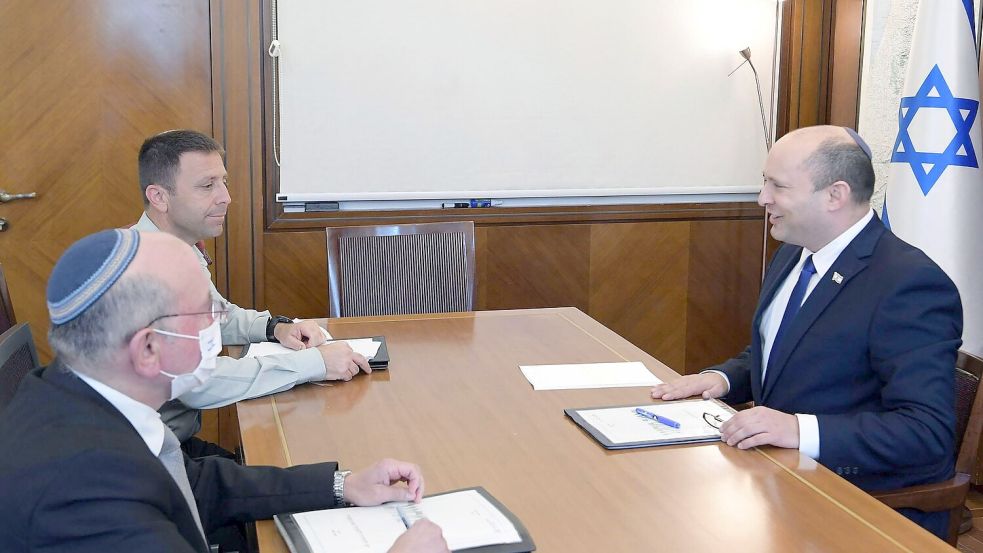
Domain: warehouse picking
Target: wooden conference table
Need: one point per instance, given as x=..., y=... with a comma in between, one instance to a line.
x=454, y=401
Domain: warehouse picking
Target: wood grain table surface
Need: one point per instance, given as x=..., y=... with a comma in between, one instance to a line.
x=454, y=401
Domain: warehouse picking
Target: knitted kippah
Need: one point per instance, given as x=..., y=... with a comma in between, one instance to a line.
x=860, y=141
x=87, y=269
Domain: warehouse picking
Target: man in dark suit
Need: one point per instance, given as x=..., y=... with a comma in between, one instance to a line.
x=854, y=340
x=87, y=464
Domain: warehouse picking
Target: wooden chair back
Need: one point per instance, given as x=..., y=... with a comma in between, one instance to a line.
x=401, y=269
x=951, y=494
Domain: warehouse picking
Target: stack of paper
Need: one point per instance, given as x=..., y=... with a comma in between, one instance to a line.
x=366, y=346
x=589, y=375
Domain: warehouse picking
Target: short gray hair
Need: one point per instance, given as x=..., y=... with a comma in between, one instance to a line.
x=91, y=339
x=841, y=160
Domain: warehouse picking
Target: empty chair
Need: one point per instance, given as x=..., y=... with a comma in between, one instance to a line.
x=18, y=356
x=950, y=495
x=7, y=318
x=399, y=269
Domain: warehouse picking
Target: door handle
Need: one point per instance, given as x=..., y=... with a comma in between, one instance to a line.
x=3, y=224
x=7, y=197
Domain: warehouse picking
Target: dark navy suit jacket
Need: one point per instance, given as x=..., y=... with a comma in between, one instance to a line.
x=75, y=476
x=872, y=356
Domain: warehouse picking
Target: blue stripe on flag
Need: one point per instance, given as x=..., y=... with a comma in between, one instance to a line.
x=968, y=4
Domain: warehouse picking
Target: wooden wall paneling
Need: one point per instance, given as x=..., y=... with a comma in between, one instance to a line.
x=844, y=90
x=237, y=124
x=533, y=266
x=722, y=289
x=296, y=269
x=638, y=284
x=84, y=82
x=804, y=81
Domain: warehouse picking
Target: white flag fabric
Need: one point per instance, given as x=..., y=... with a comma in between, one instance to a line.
x=934, y=194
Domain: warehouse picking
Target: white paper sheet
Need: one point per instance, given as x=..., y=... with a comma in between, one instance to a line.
x=466, y=518
x=588, y=375
x=366, y=346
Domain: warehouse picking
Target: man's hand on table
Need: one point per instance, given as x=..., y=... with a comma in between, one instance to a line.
x=299, y=335
x=761, y=426
x=707, y=385
x=423, y=537
x=340, y=362
x=380, y=483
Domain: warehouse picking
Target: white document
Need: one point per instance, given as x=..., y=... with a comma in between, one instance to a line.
x=623, y=425
x=588, y=375
x=366, y=346
x=466, y=518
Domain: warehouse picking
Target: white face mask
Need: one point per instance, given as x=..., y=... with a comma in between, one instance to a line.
x=210, y=344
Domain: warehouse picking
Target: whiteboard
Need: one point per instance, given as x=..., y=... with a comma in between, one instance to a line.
x=389, y=100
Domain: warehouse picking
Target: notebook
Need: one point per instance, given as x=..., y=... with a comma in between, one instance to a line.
x=470, y=519
x=625, y=427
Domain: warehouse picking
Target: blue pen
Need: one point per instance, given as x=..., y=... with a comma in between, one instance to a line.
x=657, y=418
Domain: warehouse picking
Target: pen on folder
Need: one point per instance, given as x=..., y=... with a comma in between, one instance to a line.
x=657, y=418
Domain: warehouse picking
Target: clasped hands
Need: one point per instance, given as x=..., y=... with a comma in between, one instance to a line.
x=381, y=483
x=747, y=429
x=340, y=362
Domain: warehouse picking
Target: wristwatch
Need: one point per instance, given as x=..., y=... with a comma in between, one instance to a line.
x=339, y=487
x=271, y=324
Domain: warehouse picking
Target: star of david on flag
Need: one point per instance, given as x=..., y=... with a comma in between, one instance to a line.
x=935, y=185
x=929, y=166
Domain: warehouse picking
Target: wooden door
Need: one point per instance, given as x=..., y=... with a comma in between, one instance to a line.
x=82, y=83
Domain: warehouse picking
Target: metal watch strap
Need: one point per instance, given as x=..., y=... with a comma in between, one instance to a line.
x=271, y=324
x=339, y=487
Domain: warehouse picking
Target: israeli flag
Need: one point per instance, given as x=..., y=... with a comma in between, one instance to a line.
x=934, y=194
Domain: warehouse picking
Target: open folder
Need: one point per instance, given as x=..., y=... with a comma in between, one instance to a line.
x=654, y=424
x=470, y=519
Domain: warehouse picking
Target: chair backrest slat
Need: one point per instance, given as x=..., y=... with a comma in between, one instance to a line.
x=969, y=410
x=7, y=318
x=18, y=357
x=401, y=269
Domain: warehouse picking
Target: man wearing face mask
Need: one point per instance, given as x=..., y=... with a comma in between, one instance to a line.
x=87, y=463
x=184, y=186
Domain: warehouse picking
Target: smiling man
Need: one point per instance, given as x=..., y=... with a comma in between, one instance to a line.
x=854, y=341
x=185, y=193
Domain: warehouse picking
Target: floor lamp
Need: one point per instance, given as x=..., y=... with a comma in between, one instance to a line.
x=746, y=54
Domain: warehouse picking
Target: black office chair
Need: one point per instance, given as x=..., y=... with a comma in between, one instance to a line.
x=18, y=356
x=7, y=318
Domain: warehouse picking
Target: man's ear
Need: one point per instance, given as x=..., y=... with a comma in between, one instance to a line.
x=838, y=195
x=144, y=350
x=157, y=197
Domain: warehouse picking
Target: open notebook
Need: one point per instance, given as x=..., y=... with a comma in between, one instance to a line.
x=622, y=427
x=471, y=520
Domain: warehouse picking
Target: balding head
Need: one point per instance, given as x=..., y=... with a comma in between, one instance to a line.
x=150, y=282
x=831, y=154
x=817, y=184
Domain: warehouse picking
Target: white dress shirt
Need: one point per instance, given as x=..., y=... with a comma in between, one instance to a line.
x=771, y=319
x=145, y=421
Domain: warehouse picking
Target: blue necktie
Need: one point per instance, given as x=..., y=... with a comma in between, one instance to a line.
x=794, y=302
